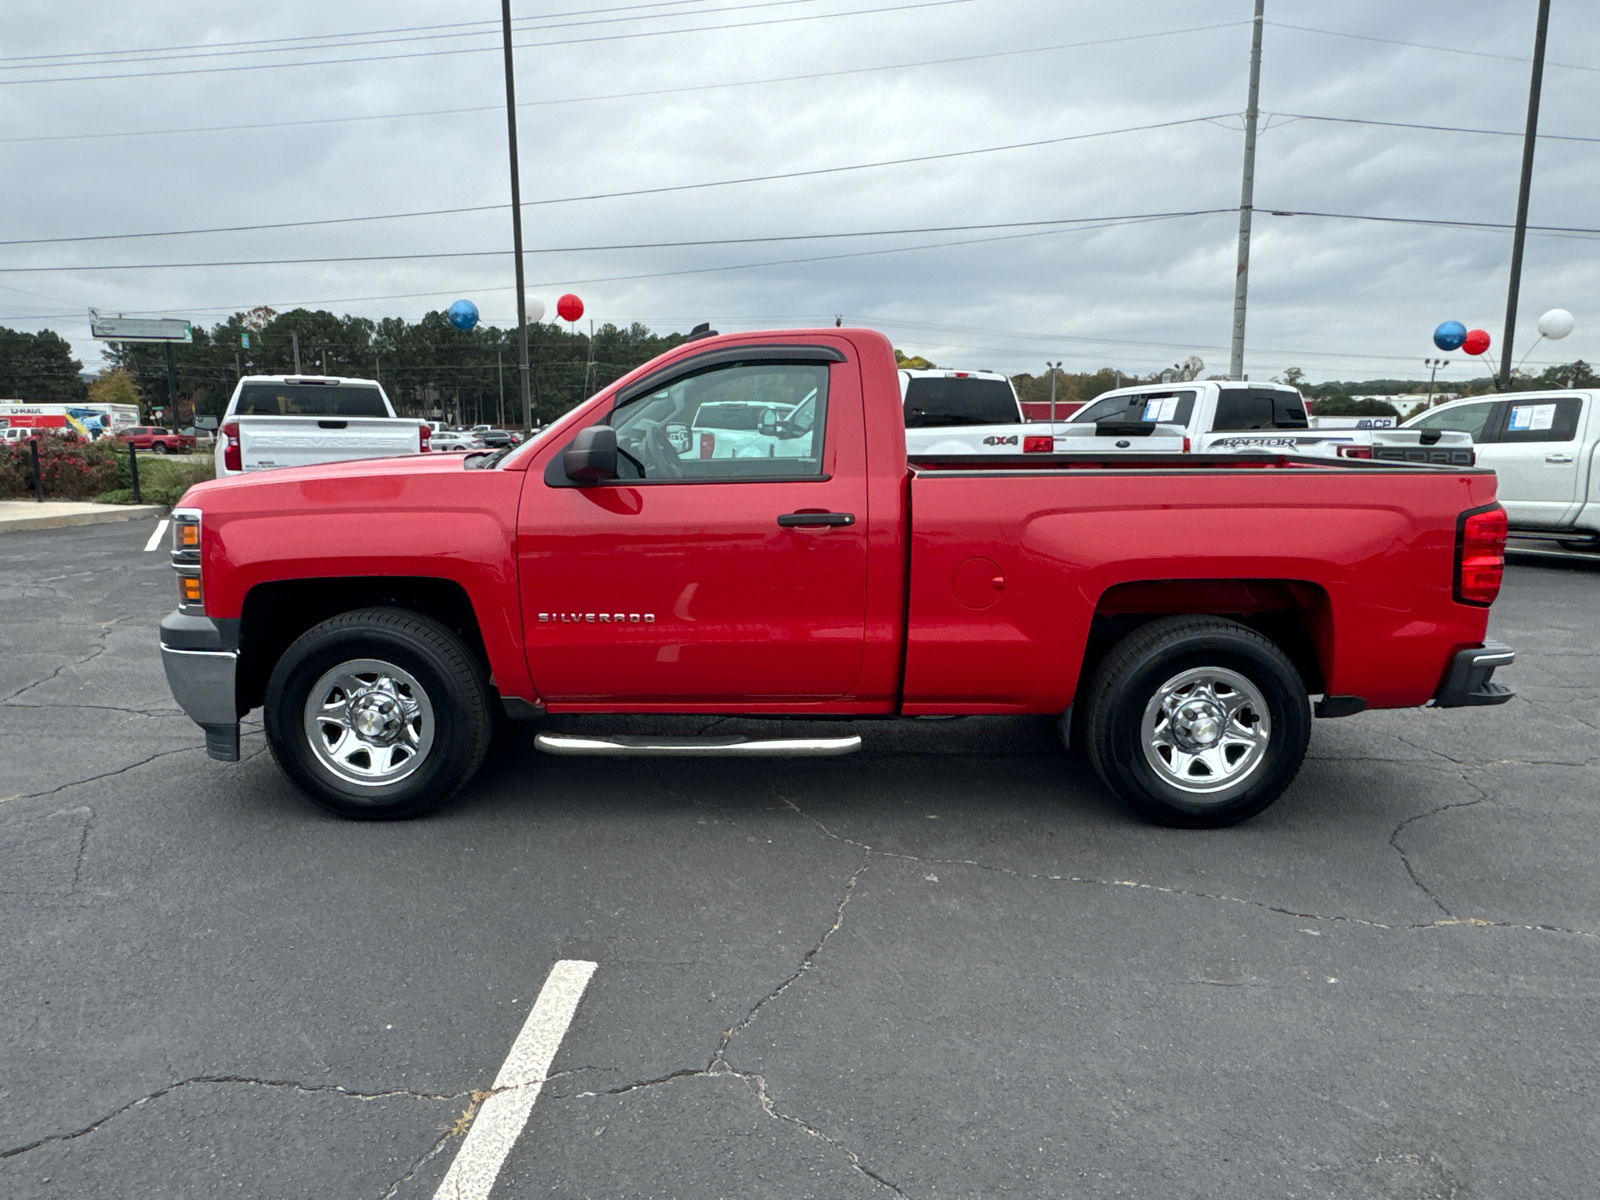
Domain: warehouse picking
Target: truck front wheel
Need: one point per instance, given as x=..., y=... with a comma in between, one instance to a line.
x=378, y=714
x=1197, y=722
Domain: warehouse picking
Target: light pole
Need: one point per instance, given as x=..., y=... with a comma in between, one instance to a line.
x=1529, y=138
x=1247, y=192
x=1433, y=365
x=1055, y=371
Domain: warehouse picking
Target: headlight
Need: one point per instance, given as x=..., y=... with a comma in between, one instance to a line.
x=186, y=559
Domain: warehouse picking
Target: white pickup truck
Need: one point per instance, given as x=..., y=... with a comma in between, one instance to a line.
x=1545, y=447
x=1236, y=417
x=297, y=420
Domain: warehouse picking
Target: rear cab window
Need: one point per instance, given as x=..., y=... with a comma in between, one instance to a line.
x=933, y=402
x=309, y=400
x=1244, y=409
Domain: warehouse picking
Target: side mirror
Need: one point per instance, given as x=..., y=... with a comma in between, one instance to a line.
x=769, y=423
x=592, y=456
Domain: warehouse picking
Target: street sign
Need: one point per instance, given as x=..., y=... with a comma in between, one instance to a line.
x=130, y=329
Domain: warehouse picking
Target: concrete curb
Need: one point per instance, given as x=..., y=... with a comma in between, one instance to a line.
x=98, y=514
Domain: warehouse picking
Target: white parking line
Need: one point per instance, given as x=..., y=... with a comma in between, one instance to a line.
x=155, y=538
x=499, y=1122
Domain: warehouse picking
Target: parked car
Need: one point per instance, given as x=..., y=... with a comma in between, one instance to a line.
x=1176, y=613
x=1545, y=448
x=451, y=439
x=295, y=420
x=156, y=439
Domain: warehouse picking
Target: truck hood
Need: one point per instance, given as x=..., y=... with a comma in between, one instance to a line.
x=330, y=474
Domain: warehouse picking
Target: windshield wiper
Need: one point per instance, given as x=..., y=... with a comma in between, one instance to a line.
x=482, y=460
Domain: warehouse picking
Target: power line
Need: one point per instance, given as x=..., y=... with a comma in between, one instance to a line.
x=1435, y=221
x=672, y=91
x=610, y=37
x=1556, y=137
x=493, y=25
x=680, y=187
x=526, y=25
x=790, y=237
x=1362, y=37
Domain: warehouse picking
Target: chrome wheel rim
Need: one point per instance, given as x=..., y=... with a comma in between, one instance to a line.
x=1206, y=730
x=369, y=723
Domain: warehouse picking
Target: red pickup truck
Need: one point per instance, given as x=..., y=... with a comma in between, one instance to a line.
x=1179, y=614
x=157, y=439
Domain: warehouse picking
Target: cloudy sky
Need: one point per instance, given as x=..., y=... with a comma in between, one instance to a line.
x=159, y=117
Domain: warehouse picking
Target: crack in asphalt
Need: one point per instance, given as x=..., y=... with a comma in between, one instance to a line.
x=243, y=733
x=308, y=1089
x=718, y=1066
x=105, y=634
x=1449, y=919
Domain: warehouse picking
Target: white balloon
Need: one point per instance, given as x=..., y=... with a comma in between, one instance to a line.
x=1556, y=324
x=535, y=309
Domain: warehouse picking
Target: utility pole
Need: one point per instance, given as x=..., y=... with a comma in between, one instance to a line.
x=1528, y=140
x=1433, y=365
x=294, y=337
x=516, y=217
x=1247, y=194
x=1055, y=372
x=499, y=362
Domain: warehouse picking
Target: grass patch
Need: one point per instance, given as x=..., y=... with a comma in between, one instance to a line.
x=161, y=480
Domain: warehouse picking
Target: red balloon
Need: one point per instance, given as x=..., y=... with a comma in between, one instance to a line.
x=570, y=308
x=1477, y=341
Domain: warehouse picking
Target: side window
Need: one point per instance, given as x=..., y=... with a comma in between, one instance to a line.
x=1241, y=409
x=1289, y=411
x=1467, y=418
x=1541, y=420
x=1172, y=408
x=758, y=421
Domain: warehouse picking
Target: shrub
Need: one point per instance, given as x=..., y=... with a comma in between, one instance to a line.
x=71, y=469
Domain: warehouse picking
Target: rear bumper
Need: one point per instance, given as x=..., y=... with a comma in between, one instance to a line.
x=203, y=681
x=1468, y=681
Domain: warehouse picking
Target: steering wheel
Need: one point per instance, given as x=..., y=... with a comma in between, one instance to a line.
x=662, y=458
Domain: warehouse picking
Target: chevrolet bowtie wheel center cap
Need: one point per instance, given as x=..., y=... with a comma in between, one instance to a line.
x=1198, y=724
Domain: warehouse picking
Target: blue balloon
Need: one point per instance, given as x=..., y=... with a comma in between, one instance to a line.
x=464, y=315
x=1448, y=336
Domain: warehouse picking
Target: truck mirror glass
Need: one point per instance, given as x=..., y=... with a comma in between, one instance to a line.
x=678, y=438
x=592, y=455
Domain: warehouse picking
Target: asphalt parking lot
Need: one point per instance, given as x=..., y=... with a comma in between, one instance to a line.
x=951, y=966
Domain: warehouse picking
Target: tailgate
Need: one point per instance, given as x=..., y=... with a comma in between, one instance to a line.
x=268, y=442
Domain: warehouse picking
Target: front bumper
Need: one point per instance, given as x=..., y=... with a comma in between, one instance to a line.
x=202, y=664
x=1468, y=681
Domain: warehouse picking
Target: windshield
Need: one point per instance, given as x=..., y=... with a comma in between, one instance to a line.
x=310, y=400
x=934, y=402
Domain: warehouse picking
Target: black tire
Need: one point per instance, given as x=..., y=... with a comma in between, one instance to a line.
x=1585, y=546
x=1124, y=690
x=454, y=688
x=159, y=447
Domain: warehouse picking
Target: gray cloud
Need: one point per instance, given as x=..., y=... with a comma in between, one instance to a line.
x=1338, y=298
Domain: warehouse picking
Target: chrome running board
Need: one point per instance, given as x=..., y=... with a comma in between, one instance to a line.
x=617, y=745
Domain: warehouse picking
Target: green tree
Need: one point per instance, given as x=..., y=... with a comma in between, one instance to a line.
x=913, y=362
x=39, y=367
x=1346, y=406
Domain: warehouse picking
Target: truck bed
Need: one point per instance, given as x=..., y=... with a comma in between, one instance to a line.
x=270, y=442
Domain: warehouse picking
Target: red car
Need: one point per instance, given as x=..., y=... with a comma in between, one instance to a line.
x=1183, y=616
x=154, y=438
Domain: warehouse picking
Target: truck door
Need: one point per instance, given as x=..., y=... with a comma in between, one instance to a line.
x=701, y=579
x=1534, y=448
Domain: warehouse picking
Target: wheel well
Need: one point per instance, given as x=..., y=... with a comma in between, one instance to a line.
x=275, y=614
x=1293, y=614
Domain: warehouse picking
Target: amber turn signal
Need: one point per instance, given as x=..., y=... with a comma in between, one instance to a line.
x=189, y=589
x=188, y=536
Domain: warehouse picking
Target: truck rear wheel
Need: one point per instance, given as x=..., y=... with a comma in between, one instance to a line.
x=378, y=714
x=1197, y=722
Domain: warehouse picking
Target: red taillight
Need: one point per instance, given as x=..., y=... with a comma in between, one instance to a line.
x=708, y=445
x=1038, y=445
x=1480, y=554
x=426, y=432
x=231, y=458
x=1186, y=443
x=1355, y=451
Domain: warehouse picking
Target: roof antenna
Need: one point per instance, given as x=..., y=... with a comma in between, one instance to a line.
x=702, y=330
x=837, y=322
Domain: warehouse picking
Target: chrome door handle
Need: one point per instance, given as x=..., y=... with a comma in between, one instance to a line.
x=790, y=520
x=1558, y=458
